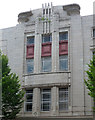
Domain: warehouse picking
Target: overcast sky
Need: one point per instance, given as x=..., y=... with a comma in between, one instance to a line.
x=9, y=9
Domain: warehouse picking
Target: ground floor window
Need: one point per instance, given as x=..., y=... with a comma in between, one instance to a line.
x=45, y=99
x=63, y=99
x=28, y=100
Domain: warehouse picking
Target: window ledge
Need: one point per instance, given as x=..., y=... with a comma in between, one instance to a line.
x=45, y=73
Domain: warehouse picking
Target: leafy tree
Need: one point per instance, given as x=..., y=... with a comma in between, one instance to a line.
x=90, y=82
x=12, y=94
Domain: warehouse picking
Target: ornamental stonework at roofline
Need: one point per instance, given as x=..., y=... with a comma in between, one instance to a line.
x=71, y=9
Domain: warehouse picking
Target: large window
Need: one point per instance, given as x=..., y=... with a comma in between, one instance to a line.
x=45, y=99
x=46, y=38
x=63, y=62
x=28, y=100
x=30, y=40
x=63, y=36
x=46, y=64
x=63, y=99
x=30, y=65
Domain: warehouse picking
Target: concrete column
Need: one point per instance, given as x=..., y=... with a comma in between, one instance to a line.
x=37, y=53
x=54, y=101
x=36, y=102
x=55, y=44
x=76, y=55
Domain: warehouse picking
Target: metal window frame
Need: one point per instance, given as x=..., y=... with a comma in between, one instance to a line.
x=25, y=103
x=48, y=100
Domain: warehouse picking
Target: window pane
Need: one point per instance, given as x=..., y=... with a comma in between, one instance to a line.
x=45, y=107
x=45, y=99
x=93, y=32
x=63, y=62
x=46, y=38
x=63, y=106
x=30, y=65
x=28, y=106
x=63, y=36
x=30, y=40
x=46, y=64
x=63, y=98
x=29, y=99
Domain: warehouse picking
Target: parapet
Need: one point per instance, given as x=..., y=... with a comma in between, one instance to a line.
x=72, y=9
x=24, y=16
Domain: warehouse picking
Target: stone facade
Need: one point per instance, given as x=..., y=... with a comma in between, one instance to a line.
x=52, y=20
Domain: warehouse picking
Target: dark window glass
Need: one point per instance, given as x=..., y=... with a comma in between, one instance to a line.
x=30, y=40
x=46, y=38
x=43, y=11
x=45, y=99
x=46, y=11
x=29, y=100
x=63, y=36
x=93, y=32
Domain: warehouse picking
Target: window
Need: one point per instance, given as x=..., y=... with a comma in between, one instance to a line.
x=63, y=99
x=29, y=100
x=30, y=40
x=46, y=38
x=63, y=36
x=46, y=64
x=63, y=62
x=93, y=32
x=30, y=65
x=45, y=99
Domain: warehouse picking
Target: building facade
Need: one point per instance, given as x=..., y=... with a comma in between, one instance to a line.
x=49, y=49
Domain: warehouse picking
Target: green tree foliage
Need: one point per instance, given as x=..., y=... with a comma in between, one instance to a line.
x=12, y=94
x=90, y=82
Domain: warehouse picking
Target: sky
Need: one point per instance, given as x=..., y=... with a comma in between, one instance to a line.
x=9, y=9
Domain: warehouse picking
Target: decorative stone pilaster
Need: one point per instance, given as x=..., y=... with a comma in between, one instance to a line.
x=36, y=102
x=55, y=43
x=54, y=102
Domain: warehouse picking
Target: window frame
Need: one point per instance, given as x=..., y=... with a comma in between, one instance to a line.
x=44, y=60
x=63, y=59
x=45, y=101
x=65, y=100
x=45, y=35
x=63, y=32
x=33, y=37
x=28, y=102
x=30, y=64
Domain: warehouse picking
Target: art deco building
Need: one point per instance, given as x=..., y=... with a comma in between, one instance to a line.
x=49, y=49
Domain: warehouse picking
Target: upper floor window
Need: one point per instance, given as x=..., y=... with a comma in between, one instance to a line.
x=28, y=100
x=46, y=64
x=63, y=35
x=30, y=65
x=30, y=40
x=63, y=62
x=63, y=99
x=45, y=99
x=46, y=38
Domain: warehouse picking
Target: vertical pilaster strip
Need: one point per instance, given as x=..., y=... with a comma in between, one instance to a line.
x=36, y=102
x=55, y=43
x=37, y=49
x=54, y=102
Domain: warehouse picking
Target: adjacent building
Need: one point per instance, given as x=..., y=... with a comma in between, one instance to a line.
x=49, y=49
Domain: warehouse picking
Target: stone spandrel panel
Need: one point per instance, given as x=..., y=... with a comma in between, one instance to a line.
x=46, y=79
